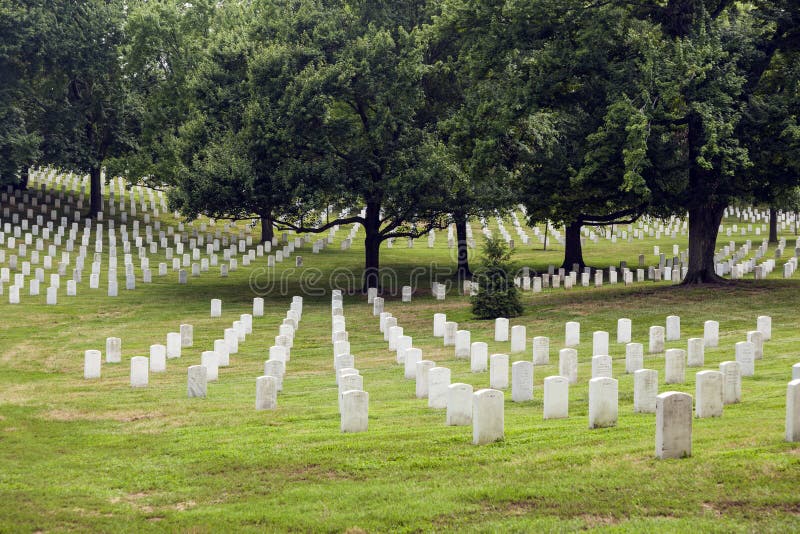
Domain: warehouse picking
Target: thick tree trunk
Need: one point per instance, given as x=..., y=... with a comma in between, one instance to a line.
x=703, y=229
x=95, y=192
x=773, y=225
x=463, y=271
x=704, y=215
x=267, y=231
x=372, y=244
x=573, y=252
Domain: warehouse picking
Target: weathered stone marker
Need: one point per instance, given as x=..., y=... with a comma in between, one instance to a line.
x=793, y=411
x=603, y=402
x=568, y=365
x=556, y=397
x=91, y=364
x=487, y=416
x=355, y=411
x=197, y=382
x=266, y=393
x=673, y=425
x=645, y=390
x=459, y=404
x=708, y=394
x=521, y=381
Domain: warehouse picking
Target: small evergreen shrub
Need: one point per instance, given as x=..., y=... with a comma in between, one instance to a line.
x=497, y=296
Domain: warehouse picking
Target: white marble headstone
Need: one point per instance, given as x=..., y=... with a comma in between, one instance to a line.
x=745, y=356
x=422, y=383
x=568, y=365
x=675, y=366
x=113, y=350
x=450, y=329
x=656, y=340
x=355, y=411
x=266, y=393
x=91, y=364
x=197, y=382
x=479, y=357
x=501, y=329
x=556, y=397
x=541, y=350
x=487, y=416
x=210, y=360
x=708, y=394
x=413, y=355
x=522, y=381
x=623, y=330
x=793, y=411
x=498, y=371
x=673, y=332
x=438, y=384
x=462, y=345
x=572, y=337
x=673, y=425
x=711, y=333
x=696, y=352
x=602, y=366
x=599, y=343
x=731, y=382
x=603, y=402
x=518, y=338
x=216, y=308
x=158, y=358
x=140, y=368
x=459, y=404
x=645, y=390
x=439, y=320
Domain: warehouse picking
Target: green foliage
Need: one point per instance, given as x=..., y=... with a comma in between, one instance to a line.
x=20, y=61
x=88, y=116
x=497, y=295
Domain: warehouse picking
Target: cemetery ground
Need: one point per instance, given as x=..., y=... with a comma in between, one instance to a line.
x=98, y=455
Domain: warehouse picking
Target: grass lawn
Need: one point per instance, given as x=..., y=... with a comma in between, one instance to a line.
x=97, y=455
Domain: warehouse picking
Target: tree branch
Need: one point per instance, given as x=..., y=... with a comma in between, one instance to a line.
x=616, y=217
x=285, y=225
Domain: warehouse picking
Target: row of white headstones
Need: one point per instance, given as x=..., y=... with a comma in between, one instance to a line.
x=713, y=389
x=534, y=283
x=90, y=228
x=211, y=361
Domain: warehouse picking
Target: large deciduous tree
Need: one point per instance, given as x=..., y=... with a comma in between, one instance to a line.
x=235, y=147
x=164, y=44
x=355, y=130
x=710, y=129
x=88, y=116
x=555, y=78
x=20, y=68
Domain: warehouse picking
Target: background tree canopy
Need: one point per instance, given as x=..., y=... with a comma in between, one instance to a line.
x=413, y=114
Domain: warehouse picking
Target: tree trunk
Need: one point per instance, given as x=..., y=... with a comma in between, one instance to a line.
x=463, y=271
x=703, y=229
x=372, y=244
x=546, y=229
x=267, y=231
x=573, y=252
x=22, y=184
x=704, y=214
x=95, y=192
x=773, y=225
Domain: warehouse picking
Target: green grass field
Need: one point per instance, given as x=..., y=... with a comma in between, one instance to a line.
x=98, y=455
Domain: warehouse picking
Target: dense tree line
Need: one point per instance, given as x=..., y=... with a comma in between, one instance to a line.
x=421, y=113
